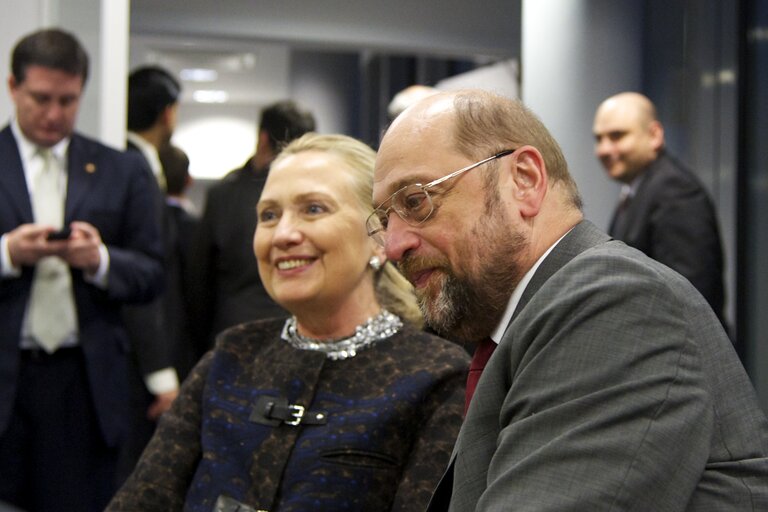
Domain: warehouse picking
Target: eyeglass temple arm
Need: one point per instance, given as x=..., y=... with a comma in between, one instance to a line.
x=469, y=167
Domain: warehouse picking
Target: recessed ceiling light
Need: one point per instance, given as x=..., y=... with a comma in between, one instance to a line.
x=199, y=75
x=210, y=96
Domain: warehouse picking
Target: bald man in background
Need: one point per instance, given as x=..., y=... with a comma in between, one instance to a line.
x=408, y=97
x=664, y=209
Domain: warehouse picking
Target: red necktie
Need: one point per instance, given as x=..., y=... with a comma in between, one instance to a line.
x=481, y=356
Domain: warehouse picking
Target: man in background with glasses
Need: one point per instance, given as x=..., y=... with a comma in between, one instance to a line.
x=607, y=380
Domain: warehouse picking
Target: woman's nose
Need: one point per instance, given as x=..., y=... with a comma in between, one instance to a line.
x=287, y=231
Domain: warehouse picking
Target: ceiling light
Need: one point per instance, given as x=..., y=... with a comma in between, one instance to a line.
x=210, y=96
x=199, y=75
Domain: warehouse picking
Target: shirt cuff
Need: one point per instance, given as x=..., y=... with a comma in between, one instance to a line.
x=6, y=266
x=162, y=381
x=99, y=279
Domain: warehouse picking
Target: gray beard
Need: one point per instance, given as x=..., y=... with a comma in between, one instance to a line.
x=449, y=311
x=468, y=308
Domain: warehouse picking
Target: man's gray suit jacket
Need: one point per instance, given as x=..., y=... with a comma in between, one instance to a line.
x=614, y=388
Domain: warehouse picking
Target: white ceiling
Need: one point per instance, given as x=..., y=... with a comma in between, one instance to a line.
x=247, y=72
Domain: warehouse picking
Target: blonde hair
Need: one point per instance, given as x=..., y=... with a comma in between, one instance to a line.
x=393, y=291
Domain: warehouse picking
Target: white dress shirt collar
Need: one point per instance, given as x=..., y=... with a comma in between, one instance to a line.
x=27, y=148
x=150, y=154
x=514, y=300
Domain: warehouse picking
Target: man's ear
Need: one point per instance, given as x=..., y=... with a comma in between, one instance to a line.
x=264, y=143
x=657, y=135
x=168, y=115
x=529, y=180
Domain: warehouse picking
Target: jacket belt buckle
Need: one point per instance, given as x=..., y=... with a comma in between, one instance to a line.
x=297, y=412
x=275, y=410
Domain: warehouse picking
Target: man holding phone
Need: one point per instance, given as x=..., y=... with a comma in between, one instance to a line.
x=79, y=240
x=62, y=234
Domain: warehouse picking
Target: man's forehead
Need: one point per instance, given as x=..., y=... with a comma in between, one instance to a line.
x=427, y=123
x=410, y=151
x=397, y=167
x=422, y=115
x=619, y=111
x=412, y=141
x=613, y=121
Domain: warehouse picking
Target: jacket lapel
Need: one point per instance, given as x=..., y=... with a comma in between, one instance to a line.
x=441, y=496
x=582, y=237
x=82, y=170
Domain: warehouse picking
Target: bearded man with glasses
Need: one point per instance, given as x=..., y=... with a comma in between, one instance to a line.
x=609, y=382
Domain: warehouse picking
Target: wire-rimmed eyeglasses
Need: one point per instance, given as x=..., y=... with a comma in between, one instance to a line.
x=412, y=203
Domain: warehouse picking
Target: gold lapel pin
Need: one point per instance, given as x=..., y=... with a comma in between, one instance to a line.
x=90, y=168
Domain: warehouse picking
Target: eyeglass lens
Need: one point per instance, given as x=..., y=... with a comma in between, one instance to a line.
x=413, y=203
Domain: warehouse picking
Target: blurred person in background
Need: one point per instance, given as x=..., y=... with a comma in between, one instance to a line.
x=227, y=289
x=153, y=101
x=181, y=222
x=664, y=209
x=63, y=384
x=408, y=97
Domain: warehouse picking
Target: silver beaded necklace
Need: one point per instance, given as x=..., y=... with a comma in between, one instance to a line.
x=377, y=328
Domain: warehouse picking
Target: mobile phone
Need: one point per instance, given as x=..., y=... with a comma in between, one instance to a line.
x=61, y=234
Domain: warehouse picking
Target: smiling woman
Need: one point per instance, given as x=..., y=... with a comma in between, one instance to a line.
x=311, y=250
x=346, y=405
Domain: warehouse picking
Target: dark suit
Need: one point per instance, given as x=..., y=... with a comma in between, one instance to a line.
x=671, y=218
x=180, y=228
x=614, y=387
x=228, y=290
x=145, y=322
x=111, y=191
x=151, y=351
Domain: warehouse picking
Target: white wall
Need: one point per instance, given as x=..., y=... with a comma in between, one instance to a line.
x=26, y=17
x=217, y=138
x=575, y=53
x=500, y=78
x=220, y=137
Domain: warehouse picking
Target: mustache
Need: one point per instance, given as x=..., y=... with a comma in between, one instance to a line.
x=411, y=265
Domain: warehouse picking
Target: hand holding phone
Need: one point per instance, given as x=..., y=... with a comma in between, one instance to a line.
x=61, y=234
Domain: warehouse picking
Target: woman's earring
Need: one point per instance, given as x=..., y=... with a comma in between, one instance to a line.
x=375, y=263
